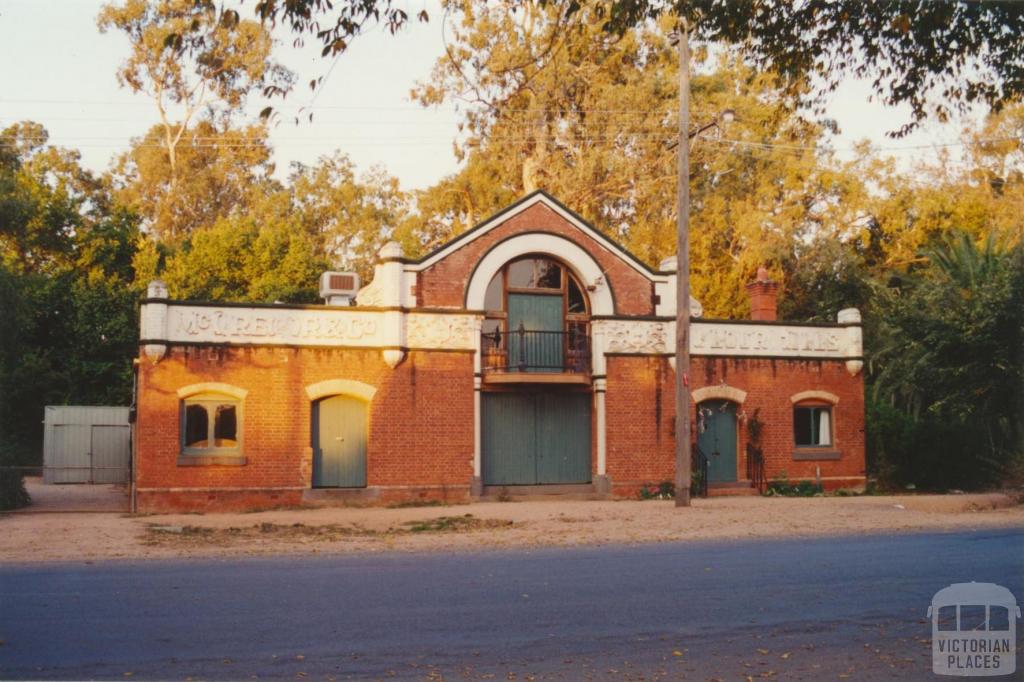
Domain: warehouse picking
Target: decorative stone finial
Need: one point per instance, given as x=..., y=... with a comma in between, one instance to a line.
x=393, y=357
x=848, y=316
x=390, y=251
x=157, y=289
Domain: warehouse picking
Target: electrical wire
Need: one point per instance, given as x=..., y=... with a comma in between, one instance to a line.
x=210, y=141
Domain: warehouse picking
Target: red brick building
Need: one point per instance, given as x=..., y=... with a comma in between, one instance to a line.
x=529, y=351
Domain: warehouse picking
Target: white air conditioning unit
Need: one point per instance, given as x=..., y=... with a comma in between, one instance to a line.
x=339, y=288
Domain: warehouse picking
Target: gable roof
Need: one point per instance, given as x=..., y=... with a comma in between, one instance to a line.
x=536, y=197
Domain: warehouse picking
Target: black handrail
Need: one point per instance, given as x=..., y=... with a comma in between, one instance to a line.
x=526, y=350
x=755, y=468
x=701, y=464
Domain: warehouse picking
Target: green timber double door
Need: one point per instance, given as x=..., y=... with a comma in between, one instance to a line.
x=339, y=442
x=718, y=439
x=535, y=438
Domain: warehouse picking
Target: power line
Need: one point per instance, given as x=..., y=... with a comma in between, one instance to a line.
x=211, y=141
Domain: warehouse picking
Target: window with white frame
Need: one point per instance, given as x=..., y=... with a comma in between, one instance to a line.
x=211, y=425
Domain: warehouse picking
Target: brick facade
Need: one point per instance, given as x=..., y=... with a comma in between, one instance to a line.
x=641, y=417
x=429, y=393
x=421, y=376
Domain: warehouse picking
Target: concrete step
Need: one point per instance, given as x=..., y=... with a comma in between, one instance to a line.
x=339, y=497
x=580, y=491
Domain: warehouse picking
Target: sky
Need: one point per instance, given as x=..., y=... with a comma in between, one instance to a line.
x=59, y=70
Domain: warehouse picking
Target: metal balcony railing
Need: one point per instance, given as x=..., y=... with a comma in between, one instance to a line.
x=523, y=350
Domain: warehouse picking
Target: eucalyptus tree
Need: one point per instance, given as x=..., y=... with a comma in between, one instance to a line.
x=347, y=216
x=195, y=60
x=218, y=171
x=68, y=295
x=934, y=57
x=549, y=99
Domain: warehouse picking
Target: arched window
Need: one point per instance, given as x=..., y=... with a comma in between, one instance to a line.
x=538, y=318
x=813, y=419
x=211, y=424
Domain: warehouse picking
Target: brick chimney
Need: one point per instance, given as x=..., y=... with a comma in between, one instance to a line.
x=763, y=293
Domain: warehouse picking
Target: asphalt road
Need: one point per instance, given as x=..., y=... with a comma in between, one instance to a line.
x=797, y=609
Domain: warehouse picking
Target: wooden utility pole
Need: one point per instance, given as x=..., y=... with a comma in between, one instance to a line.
x=683, y=453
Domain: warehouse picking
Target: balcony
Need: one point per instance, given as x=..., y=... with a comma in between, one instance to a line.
x=523, y=356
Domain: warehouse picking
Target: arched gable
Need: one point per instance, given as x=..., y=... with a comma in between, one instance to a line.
x=571, y=254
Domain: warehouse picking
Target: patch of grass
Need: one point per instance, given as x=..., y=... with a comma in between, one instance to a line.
x=158, y=534
x=296, y=532
x=450, y=524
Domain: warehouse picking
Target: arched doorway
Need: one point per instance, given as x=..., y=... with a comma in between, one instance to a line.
x=717, y=438
x=339, y=442
x=536, y=410
x=538, y=318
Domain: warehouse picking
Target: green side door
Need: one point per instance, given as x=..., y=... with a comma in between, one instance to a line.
x=540, y=352
x=339, y=443
x=535, y=438
x=718, y=440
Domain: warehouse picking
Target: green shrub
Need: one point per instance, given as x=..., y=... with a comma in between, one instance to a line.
x=781, y=487
x=12, y=484
x=666, y=490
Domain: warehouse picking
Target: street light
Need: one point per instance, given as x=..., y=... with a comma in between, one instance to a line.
x=725, y=117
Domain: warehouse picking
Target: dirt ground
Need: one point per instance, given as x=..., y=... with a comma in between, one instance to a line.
x=77, y=497
x=94, y=536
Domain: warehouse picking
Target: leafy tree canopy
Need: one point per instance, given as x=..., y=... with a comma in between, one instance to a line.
x=935, y=57
x=219, y=171
x=554, y=101
x=347, y=217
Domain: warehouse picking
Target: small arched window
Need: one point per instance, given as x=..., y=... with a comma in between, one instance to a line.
x=211, y=424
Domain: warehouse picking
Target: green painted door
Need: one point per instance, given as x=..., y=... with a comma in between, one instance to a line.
x=339, y=443
x=718, y=440
x=563, y=437
x=535, y=438
x=539, y=352
x=508, y=425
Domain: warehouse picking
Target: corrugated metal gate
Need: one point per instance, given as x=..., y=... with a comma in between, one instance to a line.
x=86, y=444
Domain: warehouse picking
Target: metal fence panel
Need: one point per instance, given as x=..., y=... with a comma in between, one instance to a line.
x=110, y=453
x=86, y=444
